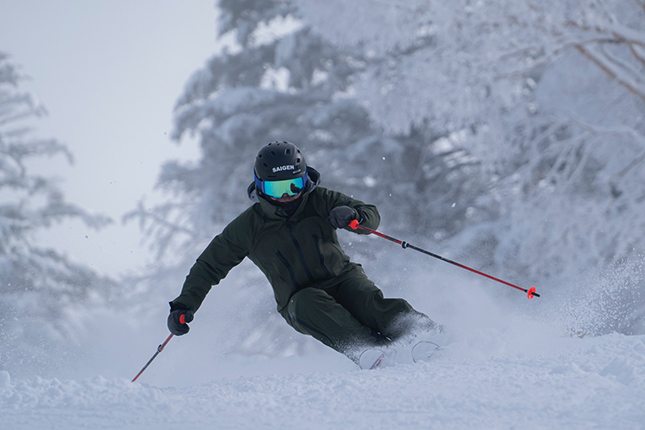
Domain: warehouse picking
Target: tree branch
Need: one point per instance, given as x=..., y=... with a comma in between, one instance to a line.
x=560, y=46
x=155, y=220
x=618, y=131
x=619, y=33
x=637, y=55
x=608, y=70
x=635, y=74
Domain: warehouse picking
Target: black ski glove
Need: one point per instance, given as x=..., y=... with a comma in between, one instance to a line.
x=175, y=324
x=341, y=216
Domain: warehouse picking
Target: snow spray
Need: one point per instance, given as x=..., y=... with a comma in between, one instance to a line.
x=530, y=293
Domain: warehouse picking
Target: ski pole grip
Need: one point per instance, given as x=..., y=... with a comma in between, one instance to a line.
x=182, y=319
x=353, y=224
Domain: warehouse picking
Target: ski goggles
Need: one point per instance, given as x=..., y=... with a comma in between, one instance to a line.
x=277, y=189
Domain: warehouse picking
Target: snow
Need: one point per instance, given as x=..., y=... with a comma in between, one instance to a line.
x=489, y=380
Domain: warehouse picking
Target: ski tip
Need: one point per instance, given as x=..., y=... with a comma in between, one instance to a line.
x=423, y=351
x=371, y=359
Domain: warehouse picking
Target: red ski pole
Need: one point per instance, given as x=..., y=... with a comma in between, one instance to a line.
x=182, y=319
x=530, y=292
x=159, y=349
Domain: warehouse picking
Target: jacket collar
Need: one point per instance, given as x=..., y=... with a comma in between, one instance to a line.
x=273, y=211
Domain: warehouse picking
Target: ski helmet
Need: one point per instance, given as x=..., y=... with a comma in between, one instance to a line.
x=280, y=169
x=278, y=161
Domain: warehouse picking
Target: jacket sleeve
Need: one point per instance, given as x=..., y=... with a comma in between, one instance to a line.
x=225, y=251
x=367, y=214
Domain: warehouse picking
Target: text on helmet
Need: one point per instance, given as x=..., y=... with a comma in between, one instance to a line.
x=283, y=168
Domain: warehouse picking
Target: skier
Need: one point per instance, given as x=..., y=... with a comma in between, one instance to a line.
x=290, y=234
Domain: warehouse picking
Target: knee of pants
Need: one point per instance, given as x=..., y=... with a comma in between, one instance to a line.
x=392, y=306
x=305, y=300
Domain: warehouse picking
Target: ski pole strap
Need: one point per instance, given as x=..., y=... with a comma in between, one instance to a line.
x=530, y=292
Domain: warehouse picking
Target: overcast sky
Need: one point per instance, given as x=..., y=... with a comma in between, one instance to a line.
x=109, y=73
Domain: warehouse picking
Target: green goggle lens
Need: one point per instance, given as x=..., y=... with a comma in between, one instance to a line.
x=277, y=189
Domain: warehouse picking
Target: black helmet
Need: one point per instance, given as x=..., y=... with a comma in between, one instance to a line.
x=278, y=161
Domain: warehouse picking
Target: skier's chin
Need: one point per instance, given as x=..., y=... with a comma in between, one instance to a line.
x=287, y=199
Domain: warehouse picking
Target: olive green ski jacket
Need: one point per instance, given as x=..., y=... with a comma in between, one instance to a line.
x=293, y=252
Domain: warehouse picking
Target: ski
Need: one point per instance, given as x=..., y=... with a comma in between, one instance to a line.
x=423, y=351
x=375, y=358
x=371, y=359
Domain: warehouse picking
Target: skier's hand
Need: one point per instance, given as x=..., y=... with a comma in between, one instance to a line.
x=341, y=216
x=178, y=319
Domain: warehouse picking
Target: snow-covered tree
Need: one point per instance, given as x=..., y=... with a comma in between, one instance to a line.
x=267, y=84
x=38, y=284
x=452, y=117
x=548, y=96
x=277, y=84
x=277, y=80
x=448, y=60
x=543, y=90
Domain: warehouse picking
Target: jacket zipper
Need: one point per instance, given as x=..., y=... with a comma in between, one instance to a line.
x=300, y=253
x=292, y=275
x=320, y=254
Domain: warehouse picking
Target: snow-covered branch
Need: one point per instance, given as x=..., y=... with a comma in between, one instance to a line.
x=614, y=71
x=638, y=53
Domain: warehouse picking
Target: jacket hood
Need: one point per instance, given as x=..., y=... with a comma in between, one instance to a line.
x=313, y=181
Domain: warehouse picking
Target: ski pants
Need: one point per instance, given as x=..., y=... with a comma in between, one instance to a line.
x=352, y=315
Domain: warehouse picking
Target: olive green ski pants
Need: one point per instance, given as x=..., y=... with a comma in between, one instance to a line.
x=352, y=315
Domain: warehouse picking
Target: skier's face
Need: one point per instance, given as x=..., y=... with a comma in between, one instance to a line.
x=286, y=198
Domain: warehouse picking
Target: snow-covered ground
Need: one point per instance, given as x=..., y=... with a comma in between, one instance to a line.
x=490, y=379
x=506, y=363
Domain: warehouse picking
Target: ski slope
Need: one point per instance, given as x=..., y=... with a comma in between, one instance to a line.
x=487, y=381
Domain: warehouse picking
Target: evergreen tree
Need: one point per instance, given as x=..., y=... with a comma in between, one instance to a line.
x=291, y=86
x=39, y=285
x=298, y=87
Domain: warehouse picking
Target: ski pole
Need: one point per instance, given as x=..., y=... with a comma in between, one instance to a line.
x=182, y=319
x=530, y=292
x=159, y=349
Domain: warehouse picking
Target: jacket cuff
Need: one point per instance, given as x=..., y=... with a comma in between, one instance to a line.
x=359, y=216
x=178, y=306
